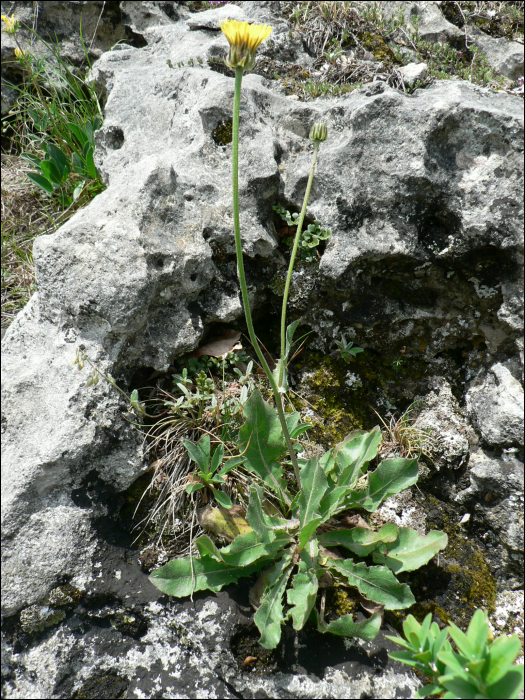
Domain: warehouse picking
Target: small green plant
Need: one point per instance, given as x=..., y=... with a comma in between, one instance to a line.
x=309, y=239
x=402, y=437
x=54, y=119
x=197, y=395
x=55, y=174
x=480, y=668
x=208, y=475
x=348, y=352
x=398, y=363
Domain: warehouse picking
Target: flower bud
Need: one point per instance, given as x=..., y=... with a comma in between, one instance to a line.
x=318, y=132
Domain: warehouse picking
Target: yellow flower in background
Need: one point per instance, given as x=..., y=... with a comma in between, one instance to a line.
x=244, y=40
x=19, y=53
x=11, y=24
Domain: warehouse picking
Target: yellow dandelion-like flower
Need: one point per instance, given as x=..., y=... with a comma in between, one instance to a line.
x=11, y=24
x=19, y=53
x=244, y=40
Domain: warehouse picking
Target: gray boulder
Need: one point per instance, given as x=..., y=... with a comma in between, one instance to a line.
x=503, y=55
x=495, y=500
x=495, y=404
x=104, y=24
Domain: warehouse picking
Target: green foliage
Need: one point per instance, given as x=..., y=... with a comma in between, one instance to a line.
x=479, y=668
x=348, y=352
x=54, y=120
x=285, y=537
x=59, y=173
x=209, y=474
x=198, y=394
x=311, y=237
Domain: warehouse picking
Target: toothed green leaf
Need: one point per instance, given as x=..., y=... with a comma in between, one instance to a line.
x=269, y=617
x=261, y=440
x=376, y=583
x=344, y=626
x=360, y=540
x=302, y=595
x=313, y=487
x=411, y=550
x=391, y=477
x=175, y=577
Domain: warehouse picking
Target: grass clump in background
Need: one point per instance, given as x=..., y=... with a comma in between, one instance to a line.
x=47, y=157
x=355, y=43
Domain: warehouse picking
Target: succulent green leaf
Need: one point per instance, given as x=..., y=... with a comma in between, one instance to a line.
x=402, y=643
x=427, y=690
x=464, y=643
x=79, y=165
x=405, y=657
x=391, y=477
x=459, y=686
x=51, y=172
x=290, y=330
x=79, y=133
x=376, y=583
x=175, y=578
x=509, y=686
x=454, y=663
x=502, y=654
x=29, y=158
x=411, y=550
x=478, y=633
x=191, y=488
x=262, y=442
x=90, y=164
x=295, y=428
x=231, y=464
x=269, y=617
x=360, y=540
x=313, y=487
x=302, y=595
x=345, y=626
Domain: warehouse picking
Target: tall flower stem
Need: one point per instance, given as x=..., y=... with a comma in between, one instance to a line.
x=292, y=262
x=242, y=278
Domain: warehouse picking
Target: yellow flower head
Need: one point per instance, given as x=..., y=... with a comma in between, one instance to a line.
x=11, y=24
x=244, y=40
x=19, y=53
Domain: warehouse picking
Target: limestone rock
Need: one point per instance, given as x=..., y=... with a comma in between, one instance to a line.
x=442, y=417
x=504, y=55
x=495, y=405
x=413, y=72
x=495, y=495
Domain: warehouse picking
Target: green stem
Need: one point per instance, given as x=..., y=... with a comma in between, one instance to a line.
x=292, y=262
x=242, y=278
